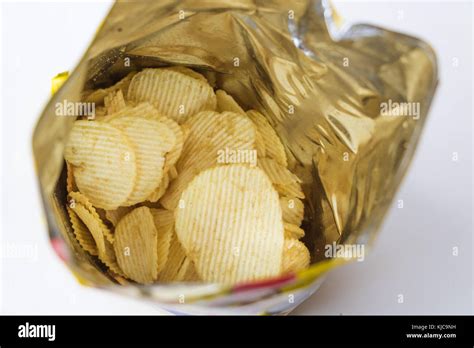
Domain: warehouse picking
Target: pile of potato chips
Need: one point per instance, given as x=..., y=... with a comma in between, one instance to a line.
x=172, y=181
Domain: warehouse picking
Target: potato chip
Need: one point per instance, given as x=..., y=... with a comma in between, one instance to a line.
x=189, y=72
x=292, y=209
x=114, y=102
x=82, y=234
x=163, y=218
x=114, y=216
x=164, y=223
x=103, y=163
x=273, y=145
x=187, y=272
x=94, y=226
x=295, y=256
x=175, y=152
x=109, y=258
x=102, y=215
x=210, y=134
x=151, y=141
x=185, y=130
x=293, y=231
x=291, y=189
x=119, y=279
x=144, y=110
x=225, y=102
x=98, y=95
x=99, y=231
x=70, y=183
x=230, y=224
x=160, y=190
x=211, y=77
x=177, y=265
x=190, y=274
x=260, y=144
x=173, y=93
x=277, y=173
x=136, y=245
x=172, y=173
x=148, y=111
x=209, y=128
x=284, y=181
x=77, y=197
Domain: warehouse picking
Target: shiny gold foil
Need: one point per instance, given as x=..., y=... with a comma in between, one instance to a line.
x=322, y=88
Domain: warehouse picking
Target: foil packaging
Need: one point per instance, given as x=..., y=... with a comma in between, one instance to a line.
x=348, y=102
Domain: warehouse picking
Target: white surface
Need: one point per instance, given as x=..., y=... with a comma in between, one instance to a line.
x=413, y=254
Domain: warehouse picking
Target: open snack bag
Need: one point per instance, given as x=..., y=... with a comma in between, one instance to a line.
x=222, y=156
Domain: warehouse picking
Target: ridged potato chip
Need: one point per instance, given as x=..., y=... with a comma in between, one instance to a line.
x=210, y=129
x=185, y=130
x=209, y=134
x=295, y=256
x=151, y=141
x=277, y=173
x=173, y=93
x=292, y=189
x=273, y=145
x=189, y=72
x=164, y=223
x=98, y=95
x=136, y=245
x=93, y=225
x=148, y=111
x=114, y=216
x=70, y=183
x=187, y=272
x=82, y=233
x=173, y=155
x=119, y=279
x=110, y=260
x=103, y=163
x=260, y=144
x=160, y=190
x=292, y=209
x=293, y=231
x=177, y=265
x=225, y=102
x=114, y=102
x=77, y=197
x=230, y=224
x=144, y=110
x=163, y=218
x=284, y=181
x=101, y=213
x=172, y=173
x=190, y=275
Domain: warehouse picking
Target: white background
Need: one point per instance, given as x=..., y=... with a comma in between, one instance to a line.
x=413, y=255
